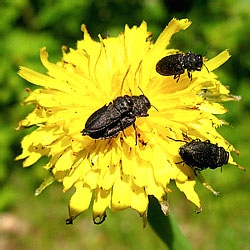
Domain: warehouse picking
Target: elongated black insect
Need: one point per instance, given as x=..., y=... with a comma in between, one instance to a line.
x=176, y=64
x=111, y=119
x=203, y=154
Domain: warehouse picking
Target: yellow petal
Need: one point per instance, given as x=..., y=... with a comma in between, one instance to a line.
x=122, y=194
x=139, y=199
x=188, y=189
x=79, y=201
x=101, y=202
x=217, y=61
x=42, y=80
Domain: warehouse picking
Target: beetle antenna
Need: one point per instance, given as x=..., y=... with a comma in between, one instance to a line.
x=204, y=56
x=179, y=162
x=206, y=67
x=151, y=104
x=154, y=107
x=175, y=139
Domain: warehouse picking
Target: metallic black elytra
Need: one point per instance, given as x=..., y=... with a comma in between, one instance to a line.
x=111, y=119
x=203, y=154
x=176, y=64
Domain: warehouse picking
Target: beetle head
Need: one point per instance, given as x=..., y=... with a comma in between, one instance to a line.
x=198, y=61
x=224, y=156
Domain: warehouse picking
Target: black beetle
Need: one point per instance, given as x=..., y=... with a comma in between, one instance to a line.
x=176, y=64
x=203, y=154
x=111, y=119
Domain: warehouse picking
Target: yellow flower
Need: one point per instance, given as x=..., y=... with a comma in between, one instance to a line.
x=118, y=172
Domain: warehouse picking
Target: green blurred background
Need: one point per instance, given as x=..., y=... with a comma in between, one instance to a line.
x=29, y=222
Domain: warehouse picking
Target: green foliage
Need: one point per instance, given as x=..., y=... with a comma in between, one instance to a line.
x=28, y=25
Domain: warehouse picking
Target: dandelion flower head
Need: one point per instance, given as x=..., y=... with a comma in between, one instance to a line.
x=119, y=173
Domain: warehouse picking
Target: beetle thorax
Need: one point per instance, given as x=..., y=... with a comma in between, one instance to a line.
x=141, y=105
x=123, y=104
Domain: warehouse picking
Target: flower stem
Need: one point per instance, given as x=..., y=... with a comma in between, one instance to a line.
x=166, y=227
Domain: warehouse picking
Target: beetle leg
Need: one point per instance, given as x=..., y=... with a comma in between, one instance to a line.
x=186, y=136
x=190, y=75
x=177, y=77
x=176, y=139
x=123, y=133
x=196, y=170
x=122, y=128
x=135, y=133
